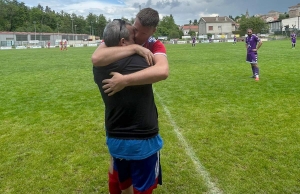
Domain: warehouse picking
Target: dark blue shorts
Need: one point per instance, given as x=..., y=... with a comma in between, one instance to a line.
x=144, y=174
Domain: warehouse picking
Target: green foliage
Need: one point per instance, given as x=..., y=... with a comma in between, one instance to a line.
x=174, y=34
x=192, y=33
x=237, y=18
x=15, y=16
x=195, y=22
x=255, y=23
x=209, y=35
x=238, y=32
x=167, y=27
x=283, y=16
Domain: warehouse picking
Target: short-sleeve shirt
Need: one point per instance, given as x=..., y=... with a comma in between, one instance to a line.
x=131, y=117
x=155, y=46
x=251, y=42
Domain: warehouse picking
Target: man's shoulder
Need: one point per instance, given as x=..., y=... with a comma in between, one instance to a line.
x=155, y=46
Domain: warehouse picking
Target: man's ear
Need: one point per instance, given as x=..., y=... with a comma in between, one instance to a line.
x=122, y=42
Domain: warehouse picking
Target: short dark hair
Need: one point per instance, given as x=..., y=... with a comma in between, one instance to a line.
x=148, y=17
x=114, y=31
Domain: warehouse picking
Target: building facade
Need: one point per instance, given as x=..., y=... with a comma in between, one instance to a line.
x=216, y=25
x=187, y=28
x=294, y=11
x=26, y=39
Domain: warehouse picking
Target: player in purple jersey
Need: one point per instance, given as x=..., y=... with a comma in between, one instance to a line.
x=194, y=41
x=253, y=43
x=293, y=39
x=234, y=39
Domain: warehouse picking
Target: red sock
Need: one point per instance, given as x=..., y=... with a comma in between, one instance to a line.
x=113, y=183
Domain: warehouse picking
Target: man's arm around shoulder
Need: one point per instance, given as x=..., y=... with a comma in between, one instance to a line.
x=104, y=55
x=152, y=74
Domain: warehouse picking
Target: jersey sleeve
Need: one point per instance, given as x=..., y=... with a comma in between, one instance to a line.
x=158, y=48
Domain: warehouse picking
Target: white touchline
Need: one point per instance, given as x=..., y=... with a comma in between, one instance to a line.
x=189, y=150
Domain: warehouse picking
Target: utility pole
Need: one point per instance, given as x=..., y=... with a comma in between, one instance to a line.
x=75, y=29
x=34, y=31
x=72, y=28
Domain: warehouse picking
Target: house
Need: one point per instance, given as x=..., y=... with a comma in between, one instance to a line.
x=275, y=26
x=187, y=28
x=293, y=23
x=294, y=11
x=274, y=14
x=216, y=26
x=270, y=17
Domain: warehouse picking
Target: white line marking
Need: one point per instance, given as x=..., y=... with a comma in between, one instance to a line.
x=212, y=188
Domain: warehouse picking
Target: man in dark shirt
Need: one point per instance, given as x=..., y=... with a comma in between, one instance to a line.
x=131, y=118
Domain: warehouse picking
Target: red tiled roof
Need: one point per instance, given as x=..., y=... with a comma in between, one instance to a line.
x=192, y=27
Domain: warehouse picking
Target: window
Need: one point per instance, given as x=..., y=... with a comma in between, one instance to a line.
x=39, y=37
x=210, y=28
x=21, y=37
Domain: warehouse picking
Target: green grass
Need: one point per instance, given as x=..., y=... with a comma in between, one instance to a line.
x=245, y=134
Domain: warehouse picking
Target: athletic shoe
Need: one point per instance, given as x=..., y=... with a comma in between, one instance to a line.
x=253, y=76
x=257, y=78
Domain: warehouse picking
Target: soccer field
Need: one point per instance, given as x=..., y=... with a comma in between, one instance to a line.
x=223, y=131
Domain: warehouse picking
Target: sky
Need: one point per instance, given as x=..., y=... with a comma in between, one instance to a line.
x=182, y=10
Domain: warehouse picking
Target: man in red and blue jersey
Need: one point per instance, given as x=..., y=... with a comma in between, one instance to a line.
x=253, y=43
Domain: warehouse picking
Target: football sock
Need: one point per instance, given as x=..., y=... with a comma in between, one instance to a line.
x=256, y=71
x=113, y=184
x=253, y=71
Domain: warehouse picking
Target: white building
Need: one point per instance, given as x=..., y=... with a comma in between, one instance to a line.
x=216, y=26
x=292, y=22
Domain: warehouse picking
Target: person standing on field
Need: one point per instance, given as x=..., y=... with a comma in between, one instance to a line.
x=194, y=41
x=234, y=39
x=253, y=43
x=293, y=39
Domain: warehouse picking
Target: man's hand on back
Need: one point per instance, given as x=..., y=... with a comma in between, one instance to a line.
x=114, y=84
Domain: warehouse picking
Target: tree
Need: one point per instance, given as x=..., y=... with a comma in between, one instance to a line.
x=255, y=23
x=167, y=25
x=101, y=24
x=237, y=18
x=195, y=22
x=174, y=34
x=283, y=16
x=161, y=31
x=192, y=33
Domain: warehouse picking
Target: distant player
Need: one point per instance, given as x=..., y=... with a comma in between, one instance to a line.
x=66, y=45
x=194, y=41
x=61, y=44
x=234, y=39
x=253, y=43
x=293, y=39
x=48, y=44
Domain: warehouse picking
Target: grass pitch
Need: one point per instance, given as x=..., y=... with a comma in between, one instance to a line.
x=222, y=130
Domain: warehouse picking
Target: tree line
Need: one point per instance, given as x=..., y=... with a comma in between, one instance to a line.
x=15, y=16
